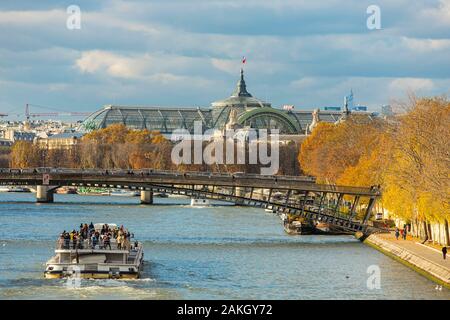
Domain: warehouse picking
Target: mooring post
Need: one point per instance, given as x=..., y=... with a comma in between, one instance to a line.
x=146, y=196
x=44, y=194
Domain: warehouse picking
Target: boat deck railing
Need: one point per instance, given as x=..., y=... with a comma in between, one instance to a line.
x=87, y=244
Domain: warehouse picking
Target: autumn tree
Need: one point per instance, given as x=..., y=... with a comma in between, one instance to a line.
x=332, y=148
x=24, y=154
x=117, y=146
x=409, y=156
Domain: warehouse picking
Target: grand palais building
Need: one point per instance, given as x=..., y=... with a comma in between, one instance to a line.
x=251, y=112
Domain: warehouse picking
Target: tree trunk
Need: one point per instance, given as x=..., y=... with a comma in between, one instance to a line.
x=425, y=231
x=430, y=233
x=447, y=237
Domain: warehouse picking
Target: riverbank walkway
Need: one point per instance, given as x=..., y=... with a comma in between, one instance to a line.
x=414, y=246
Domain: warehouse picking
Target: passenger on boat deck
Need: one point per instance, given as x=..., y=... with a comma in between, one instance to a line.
x=88, y=237
x=107, y=242
x=94, y=239
x=61, y=241
x=125, y=242
x=119, y=238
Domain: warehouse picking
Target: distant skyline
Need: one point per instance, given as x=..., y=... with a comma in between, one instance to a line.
x=188, y=53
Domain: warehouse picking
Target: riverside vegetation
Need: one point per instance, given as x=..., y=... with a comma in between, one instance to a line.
x=407, y=155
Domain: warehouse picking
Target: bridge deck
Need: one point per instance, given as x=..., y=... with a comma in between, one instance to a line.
x=142, y=178
x=299, y=195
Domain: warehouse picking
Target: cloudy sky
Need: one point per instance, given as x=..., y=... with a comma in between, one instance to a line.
x=188, y=53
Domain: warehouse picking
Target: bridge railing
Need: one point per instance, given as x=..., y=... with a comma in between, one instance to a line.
x=150, y=171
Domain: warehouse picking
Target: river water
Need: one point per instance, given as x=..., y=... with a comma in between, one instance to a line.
x=220, y=252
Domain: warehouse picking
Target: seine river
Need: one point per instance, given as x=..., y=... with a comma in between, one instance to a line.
x=220, y=252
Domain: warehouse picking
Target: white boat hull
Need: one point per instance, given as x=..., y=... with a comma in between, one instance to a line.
x=200, y=203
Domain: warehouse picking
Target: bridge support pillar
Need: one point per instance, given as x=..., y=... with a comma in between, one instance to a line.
x=44, y=194
x=146, y=197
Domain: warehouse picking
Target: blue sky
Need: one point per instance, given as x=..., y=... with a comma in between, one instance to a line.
x=187, y=53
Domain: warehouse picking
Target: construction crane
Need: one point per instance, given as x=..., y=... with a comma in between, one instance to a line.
x=29, y=115
x=58, y=113
x=55, y=113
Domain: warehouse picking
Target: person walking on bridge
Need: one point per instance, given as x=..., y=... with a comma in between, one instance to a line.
x=444, y=252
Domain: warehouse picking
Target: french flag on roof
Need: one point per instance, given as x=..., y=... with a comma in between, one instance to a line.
x=244, y=59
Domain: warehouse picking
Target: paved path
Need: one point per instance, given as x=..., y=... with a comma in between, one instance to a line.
x=413, y=245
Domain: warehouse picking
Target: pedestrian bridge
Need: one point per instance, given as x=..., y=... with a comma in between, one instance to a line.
x=349, y=208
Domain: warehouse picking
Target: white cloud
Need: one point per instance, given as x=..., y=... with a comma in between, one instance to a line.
x=411, y=84
x=32, y=18
x=304, y=83
x=426, y=45
x=114, y=65
x=439, y=14
x=195, y=49
x=227, y=65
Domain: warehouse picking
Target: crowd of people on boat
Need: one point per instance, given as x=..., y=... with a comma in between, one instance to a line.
x=87, y=237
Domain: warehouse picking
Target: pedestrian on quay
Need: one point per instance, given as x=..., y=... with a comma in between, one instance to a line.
x=404, y=233
x=444, y=252
x=397, y=233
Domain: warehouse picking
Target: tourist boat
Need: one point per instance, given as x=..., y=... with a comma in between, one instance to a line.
x=122, y=193
x=326, y=228
x=18, y=189
x=66, y=190
x=87, y=191
x=180, y=196
x=96, y=262
x=4, y=189
x=297, y=225
x=161, y=195
x=200, y=202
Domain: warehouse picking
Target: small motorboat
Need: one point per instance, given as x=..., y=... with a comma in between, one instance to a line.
x=200, y=202
x=161, y=195
x=122, y=193
x=328, y=229
x=295, y=225
x=18, y=189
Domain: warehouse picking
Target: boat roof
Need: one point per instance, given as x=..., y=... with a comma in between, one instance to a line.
x=99, y=226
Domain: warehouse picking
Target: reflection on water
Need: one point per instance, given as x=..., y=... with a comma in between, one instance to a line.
x=220, y=252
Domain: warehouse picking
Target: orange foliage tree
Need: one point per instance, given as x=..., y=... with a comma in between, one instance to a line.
x=409, y=156
x=331, y=149
x=117, y=146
